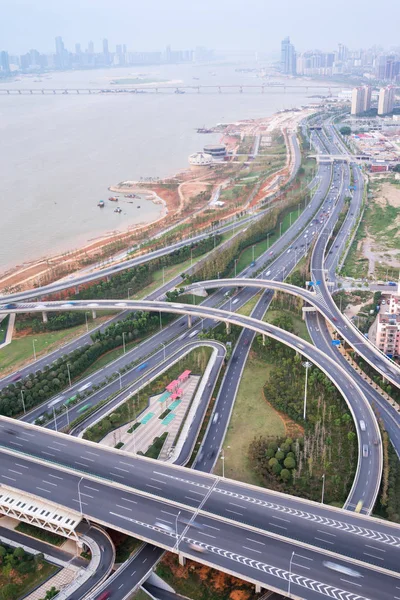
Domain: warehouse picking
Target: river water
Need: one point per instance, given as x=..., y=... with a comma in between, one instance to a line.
x=59, y=153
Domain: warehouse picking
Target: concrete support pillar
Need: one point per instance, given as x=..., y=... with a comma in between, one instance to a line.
x=44, y=315
x=182, y=560
x=94, y=314
x=258, y=588
x=76, y=289
x=228, y=328
x=263, y=335
x=189, y=318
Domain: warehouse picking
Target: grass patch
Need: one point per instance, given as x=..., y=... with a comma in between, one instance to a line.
x=154, y=450
x=247, y=308
x=300, y=327
x=21, y=572
x=251, y=416
x=20, y=351
x=41, y=534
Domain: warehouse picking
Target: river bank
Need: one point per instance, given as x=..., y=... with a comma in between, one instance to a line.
x=184, y=198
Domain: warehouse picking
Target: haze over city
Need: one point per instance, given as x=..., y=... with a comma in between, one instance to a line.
x=224, y=24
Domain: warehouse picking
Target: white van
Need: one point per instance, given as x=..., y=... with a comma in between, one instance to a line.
x=362, y=425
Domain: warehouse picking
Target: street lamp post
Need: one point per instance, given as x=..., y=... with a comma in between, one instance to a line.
x=268, y=239
x=235, y=265
x=67, y=409
x=298, y=209
x=120, y=380
x=163, y=275
x=79, y=496
x=306, y=365
x=129, y=291
x=323, y=488
x=163, y=345
x=280, y=229
x=160, y=322
x=34, y=348
x=290, y=572
x=23, y=401
x=55, y=417
x=69, y=374
x=86, y=321
x=123, y=340
x=253, y=251
x=176, y=529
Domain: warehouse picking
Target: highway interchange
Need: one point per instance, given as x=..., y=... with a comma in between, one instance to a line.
x=284, y=263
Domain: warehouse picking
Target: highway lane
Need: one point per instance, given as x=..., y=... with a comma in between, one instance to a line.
x=230, y=546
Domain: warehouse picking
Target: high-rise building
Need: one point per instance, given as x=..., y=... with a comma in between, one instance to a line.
x=367, y=97
x=358, y=101
x=106, y=53
x=4, y=62
x=91, y=48
x=288, y=57
x=78, y=49
x=386, y=100
x=343, y=53
x=124, y=49
x=60, y=52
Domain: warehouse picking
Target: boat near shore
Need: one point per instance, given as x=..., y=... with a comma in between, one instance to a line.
x=113, y=199
x=100, y=203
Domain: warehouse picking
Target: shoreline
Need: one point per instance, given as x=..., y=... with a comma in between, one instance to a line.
x=173, y=194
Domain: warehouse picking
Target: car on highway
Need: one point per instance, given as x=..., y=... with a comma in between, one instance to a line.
x=104, y=595
x=197, y=548
x=163, y=526
x=215, y=418
x=359, y=506
x=211, y=454
x=362, y=425
x=16, y=377
x=341, y=568
x=365, y=450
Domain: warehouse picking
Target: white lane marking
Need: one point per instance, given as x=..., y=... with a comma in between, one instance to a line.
x=56, y=449
x=154, y=486
x=168, y=513
x=197, y=493
x=188, y=497
x=82, y=464
x=123, y=470
x=124, y=507
x=86, y=458
x=43, y=490
x=234, y=512
x=21, y=438
x=255, y=541
x=91, y=488
x=127, y=465
x=252, y=549
x=92, y=453
x=163, y=520
x=207, y=535
x=49, y=483
x=373, y=548
x=143, y=561
x=48, y=453
x=325, y=541
x=128, y=500
x=348, y=581
x=10, y=478
x=59, y=444
x=279, y=526
x=22, y=466
x=280, y=518
x=305, y=557
x=158, y=480
x=302, y=566
x=13, y=471
x=326, y=533
x=116, y=475
x=238, y=505
x=29, y=434
x=74, y=500
x=16, y=444
x=87, y=495
x=132, y=574
x=211, y=527
x=372, y=556
x=54, y=476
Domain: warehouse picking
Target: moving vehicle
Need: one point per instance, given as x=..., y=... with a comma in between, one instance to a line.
x=113, y=199
x=362, y=425
x=365, y=450
x=359, y=506
x=100, y=203
x=142, y=366
x=215, y=418
x=197, y=548
x=341, y=568
x=104, y=595
x=195, y=332
x=163, y=526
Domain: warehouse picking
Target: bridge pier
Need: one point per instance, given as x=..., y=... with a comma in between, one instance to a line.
x=228, y=328
x=263, y=338
x=76, y=290
x=258, y=588
x=44, y=315
x=182, y=560
x=94, y=314
x=189, y=318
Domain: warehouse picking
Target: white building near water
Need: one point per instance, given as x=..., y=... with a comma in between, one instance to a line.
x=200, y=159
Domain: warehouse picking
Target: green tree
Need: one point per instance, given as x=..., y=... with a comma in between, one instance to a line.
x=285, y=474
x=19, y=553
x=289, y=462
x=397, y=168
x=9, y=591
x=345, y=130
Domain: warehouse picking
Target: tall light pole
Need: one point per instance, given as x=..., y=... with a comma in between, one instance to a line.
x=280, y=228
x=86, y=321
x=163, y=275
x=235, y=265
x=129, y=291
x=306, y=365
x=253, y=251
x=323, y=488
x=123, y=340
x=23, y=401
x=160, y=322
x=69, y=374
x=290, y=572
x=79, y=496
x=163, y=345
x=176, y=529
x=34, y=348
x=120, y=380
x=67, y=409
x=191, y=257
x=268, y=239
x=298, y=209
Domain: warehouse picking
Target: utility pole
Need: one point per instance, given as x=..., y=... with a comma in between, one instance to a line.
x=306, y=365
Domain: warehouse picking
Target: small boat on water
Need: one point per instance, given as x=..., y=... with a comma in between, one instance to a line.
x=130, y=195
x=113, y=199
x=100, y=203
x=138, y=206
x=118, y=210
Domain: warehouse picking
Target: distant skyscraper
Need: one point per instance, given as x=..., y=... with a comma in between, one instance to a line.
x=288, y=57
x=60, y=52
x=343, y=52
x=358, y=101
x=119, y=49
x=4, y=62
x=105, y=51
x=90, y=48
x=124, y=50
x=386, y=100
x=367, y=97
x=78, y=49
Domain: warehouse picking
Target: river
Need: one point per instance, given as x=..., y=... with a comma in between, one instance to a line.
x=59, y=153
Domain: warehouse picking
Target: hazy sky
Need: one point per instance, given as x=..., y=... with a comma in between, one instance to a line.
x=221, y=24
